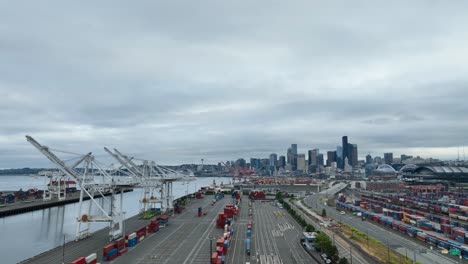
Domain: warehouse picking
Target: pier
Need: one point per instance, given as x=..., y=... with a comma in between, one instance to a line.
x=20, y=207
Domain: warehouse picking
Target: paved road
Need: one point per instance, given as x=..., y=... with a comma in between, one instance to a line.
x=403, y=245
x=237, y=250
x=275, y=236
x=185, y=240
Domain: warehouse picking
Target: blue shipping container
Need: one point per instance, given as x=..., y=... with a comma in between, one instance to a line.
x=111, y=252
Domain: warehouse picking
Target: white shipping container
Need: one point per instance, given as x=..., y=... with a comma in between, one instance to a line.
x=436, y=226
x=132, y=235
x=141, y=238
x=454, y=216
x=91, y=258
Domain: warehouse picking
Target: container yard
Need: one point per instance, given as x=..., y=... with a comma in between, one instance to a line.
x=220, y=228
x=438, y=220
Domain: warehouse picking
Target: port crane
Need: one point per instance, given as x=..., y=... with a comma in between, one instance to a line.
x=94, y=179
x=238, y=171
x=58, y=182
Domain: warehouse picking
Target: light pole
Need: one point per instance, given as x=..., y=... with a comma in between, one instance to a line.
x=211, y=248
x=388, y=251
x=367, y=236
x=63, y=250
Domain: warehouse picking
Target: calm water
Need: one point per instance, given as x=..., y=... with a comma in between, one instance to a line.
x=28, y=234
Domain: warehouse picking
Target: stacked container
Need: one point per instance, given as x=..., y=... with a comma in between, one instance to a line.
x=221, y=221
x=132, y=240
x=110, y=252
x=163, y=219
x=153, y=226
x=257, y=195
x=121, y=248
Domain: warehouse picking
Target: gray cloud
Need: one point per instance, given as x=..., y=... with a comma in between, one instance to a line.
x=181, y=81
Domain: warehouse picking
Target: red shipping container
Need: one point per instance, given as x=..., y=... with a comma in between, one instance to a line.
x=141, y=232
x=220, y=242
x=110, y=258
x=123, y=251
x=445, y=220
x=219, y=261
x=107, y=249
x=81, y=260
x=120, y=244
x=214, y=258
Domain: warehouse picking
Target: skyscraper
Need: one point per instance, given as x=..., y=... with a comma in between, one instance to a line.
x=404, y=157
x=331, y=157
x=294, y=156
x=241, y=162
x=378, y=160
x=354, y=155
x=309, y=157
x=301, y=164
x=314, y=156
x=369, y=159
x=320, y=160
x=339, y=157
x=344, y=141
x=282, y=161
x=294, y=148
x=388, y=158
x=273, y=159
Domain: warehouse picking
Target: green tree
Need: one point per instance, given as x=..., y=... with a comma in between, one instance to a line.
x=343, y=261
x=324, y=212
x=309, y=228
x=324, y=244
x=279, y=196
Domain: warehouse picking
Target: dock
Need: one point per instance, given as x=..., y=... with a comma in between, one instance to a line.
x=20, y=207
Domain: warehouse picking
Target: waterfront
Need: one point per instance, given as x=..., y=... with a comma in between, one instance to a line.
x=32, y=233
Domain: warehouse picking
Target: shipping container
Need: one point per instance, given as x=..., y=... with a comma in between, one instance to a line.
x=107, y=249
x=81, y=260
x=214, y=258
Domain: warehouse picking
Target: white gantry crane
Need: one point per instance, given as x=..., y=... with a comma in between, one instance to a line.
x=154, y=179
x=94, y=179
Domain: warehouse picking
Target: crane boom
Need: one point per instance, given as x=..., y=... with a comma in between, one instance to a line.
x=54, y=159
x=129, y=161
x=123, y=162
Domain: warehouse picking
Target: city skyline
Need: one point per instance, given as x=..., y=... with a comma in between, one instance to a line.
x=180, y=82
x=310, y=155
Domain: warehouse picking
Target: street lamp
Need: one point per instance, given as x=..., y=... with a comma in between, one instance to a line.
x=211, y=246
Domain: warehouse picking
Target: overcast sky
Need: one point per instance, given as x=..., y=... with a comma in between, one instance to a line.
x=183, y=80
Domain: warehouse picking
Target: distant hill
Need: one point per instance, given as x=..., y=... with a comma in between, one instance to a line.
x=23, y=171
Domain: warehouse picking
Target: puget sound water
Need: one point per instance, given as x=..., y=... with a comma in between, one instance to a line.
x=29, y=234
